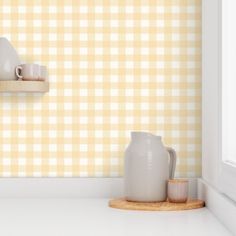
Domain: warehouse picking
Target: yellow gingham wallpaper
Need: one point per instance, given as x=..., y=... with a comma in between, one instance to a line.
x=115, y=66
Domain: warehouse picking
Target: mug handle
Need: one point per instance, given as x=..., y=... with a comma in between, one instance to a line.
x=18, y=68
x=172, y=163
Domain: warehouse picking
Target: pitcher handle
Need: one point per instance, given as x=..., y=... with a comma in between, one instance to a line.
x=172, y=164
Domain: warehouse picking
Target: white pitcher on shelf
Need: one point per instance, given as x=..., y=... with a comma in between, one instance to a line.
x=9, y=59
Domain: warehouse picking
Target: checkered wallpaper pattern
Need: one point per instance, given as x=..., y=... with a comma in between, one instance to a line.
x=114, y=66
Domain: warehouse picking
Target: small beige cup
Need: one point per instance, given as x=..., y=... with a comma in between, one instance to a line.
x=43, y=74
x=177, y=190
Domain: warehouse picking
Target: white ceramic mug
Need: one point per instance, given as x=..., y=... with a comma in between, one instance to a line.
x=28, y=72
x=43, y=74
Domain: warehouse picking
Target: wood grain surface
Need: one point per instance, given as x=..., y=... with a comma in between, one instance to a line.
x=121, y=203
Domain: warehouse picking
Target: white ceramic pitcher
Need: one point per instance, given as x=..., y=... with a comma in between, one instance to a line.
x=9, y=59
x=147, y=168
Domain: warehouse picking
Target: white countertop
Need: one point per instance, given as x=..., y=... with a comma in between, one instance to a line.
x=85, y=217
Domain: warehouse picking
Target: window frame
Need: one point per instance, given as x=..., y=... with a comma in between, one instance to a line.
x=227, y=174
x=217, y=172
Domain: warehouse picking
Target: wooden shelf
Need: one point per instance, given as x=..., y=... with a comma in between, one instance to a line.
x=24, y=86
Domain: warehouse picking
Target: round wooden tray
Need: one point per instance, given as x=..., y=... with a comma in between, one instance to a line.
x=121, y=203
